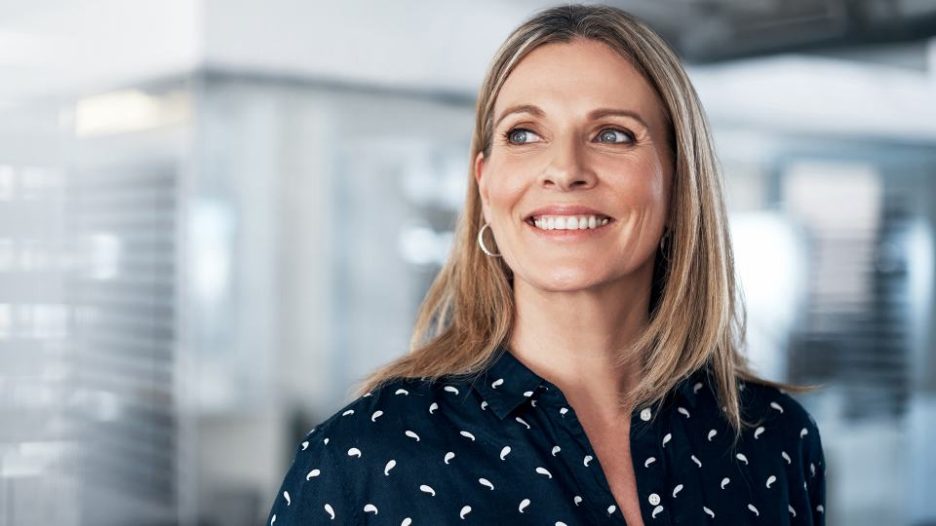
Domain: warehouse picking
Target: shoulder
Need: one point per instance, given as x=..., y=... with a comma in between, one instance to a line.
x=384, y=421
x=766, y=403
x=397, y=401
x=335, y=460
x=793, y=426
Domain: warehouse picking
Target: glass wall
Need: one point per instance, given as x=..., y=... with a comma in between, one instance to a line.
x=195, y=272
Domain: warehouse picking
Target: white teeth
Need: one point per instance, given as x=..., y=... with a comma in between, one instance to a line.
x=569, y=222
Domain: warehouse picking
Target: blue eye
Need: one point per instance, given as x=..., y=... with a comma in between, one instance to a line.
x=613, y=136
x=519, y=136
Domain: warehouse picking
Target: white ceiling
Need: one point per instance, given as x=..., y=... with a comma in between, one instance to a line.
x=58, y=47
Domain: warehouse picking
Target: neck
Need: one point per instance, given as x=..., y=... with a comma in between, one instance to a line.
x=576, y=339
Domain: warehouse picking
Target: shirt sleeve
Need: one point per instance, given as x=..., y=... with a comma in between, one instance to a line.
x=314, y=490
x=815, y=468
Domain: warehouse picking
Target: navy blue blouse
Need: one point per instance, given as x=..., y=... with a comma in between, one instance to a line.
x=507, y=448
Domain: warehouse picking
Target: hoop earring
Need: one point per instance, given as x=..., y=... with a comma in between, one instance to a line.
x=665, y=243
x=481, y=242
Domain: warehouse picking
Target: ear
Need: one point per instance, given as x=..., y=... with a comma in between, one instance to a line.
x=478, y=173
x=481, y=182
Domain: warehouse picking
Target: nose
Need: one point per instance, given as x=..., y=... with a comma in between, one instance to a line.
x=568, y=168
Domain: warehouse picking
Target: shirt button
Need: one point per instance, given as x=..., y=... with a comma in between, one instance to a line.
x=654, y=499
x=645, y=414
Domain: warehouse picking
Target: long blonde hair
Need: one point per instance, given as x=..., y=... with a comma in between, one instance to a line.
x=697, y=317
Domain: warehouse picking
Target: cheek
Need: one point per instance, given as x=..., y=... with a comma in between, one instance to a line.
x=504, y=188
x=644, y=190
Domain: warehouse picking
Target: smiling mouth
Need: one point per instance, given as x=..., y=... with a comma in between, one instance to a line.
x=569, y=222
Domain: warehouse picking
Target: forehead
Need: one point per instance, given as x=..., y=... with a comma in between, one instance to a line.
x=577, y=77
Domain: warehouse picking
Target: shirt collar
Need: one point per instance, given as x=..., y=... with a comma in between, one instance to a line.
x=506, y=383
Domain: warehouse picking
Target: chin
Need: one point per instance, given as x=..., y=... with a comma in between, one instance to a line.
x=565, y=280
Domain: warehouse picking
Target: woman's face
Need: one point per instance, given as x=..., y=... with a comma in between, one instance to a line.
x=577, y=183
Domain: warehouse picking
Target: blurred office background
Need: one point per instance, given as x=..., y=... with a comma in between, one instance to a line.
x=217, y=217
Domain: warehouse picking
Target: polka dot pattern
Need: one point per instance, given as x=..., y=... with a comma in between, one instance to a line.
x=506, y=447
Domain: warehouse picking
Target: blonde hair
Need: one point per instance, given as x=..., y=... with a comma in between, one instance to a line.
x=697, y=317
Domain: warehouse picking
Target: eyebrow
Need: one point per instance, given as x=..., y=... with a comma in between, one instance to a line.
x=594, y=114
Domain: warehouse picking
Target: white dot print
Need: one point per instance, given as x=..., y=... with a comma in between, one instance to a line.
x=524, y=504
x=501, y=447
x=427, y=489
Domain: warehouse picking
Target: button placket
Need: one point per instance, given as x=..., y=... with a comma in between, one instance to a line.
x=595, y=485
x=646, y=443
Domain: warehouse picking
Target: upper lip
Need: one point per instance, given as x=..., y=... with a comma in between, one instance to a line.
x=565, y=210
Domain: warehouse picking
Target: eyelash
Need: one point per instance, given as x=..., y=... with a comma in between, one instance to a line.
x=506, y=135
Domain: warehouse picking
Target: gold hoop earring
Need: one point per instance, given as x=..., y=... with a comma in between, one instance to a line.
x=665, y=243
x=481, y=241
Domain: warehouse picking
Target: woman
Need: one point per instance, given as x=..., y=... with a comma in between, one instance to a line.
x=577, y=359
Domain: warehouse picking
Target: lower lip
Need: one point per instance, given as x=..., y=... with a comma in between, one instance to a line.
x=570, y=234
